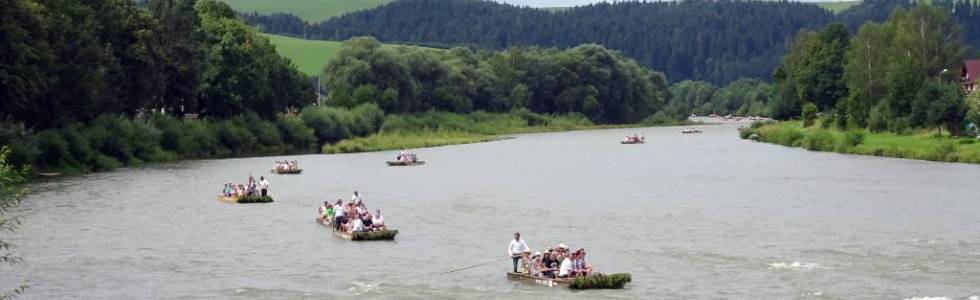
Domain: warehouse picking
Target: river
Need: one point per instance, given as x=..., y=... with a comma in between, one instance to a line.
x=689, y=215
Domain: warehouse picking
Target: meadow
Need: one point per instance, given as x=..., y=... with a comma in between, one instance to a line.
x=309, y=10
x=309, y=56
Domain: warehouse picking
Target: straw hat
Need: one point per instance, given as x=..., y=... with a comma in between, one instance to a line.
x=537, y=253
x=562, y=246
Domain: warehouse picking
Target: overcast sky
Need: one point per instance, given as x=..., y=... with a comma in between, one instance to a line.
x=564, y=3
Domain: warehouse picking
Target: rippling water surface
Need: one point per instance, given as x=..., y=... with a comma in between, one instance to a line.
x=690, y=216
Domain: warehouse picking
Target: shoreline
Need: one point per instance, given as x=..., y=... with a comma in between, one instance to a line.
x=919, y=145
x=394, y=141
x=386, y=141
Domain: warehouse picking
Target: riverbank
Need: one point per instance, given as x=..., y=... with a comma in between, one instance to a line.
x=394, y=136
x=920, y=145
x=114, y=141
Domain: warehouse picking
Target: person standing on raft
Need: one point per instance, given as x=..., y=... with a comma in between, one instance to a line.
x=516, y=249
x=264, y=185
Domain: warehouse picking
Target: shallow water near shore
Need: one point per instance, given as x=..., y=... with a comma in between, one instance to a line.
x=689, y=215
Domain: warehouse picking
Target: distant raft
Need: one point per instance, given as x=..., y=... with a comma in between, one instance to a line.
x=632, y=142
x=405, y=163
x=594, y=281
x=287, y=171
x=245, y=199
x=691, y=130
x=377, y=235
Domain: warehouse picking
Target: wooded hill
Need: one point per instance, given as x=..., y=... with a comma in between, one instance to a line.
x=714, y=41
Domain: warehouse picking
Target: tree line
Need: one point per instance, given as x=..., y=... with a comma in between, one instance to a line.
x=601, y=84
x=63, y=62
x=713, y=41
x=899, y=74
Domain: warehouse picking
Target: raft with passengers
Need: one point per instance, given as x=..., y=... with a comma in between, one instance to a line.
x=406, y=159
x=559, y=267
x=634, y=139
x=353, y=221
x=691, y=130
x=286, y=167
x=251, y=192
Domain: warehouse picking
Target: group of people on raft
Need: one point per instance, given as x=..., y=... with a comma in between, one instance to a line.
x=253, y=188
x=282, y=165
x=353, y=216
x=406, y=157
x=634, y=139
x=554, y=262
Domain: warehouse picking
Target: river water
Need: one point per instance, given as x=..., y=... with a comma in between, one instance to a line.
x=704, y=216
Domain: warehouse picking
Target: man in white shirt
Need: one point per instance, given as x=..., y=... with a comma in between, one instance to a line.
x=378, y=221
x=264, y=185
x=565, y=268
x=339, y=214
x=516, y=248
x=355, y=198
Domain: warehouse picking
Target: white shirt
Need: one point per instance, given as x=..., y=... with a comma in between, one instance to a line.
x=565, y=268
x=378, y=220
x=354, y=198
x=517, y=247
x=338, y=211
x=264, y=184
x=356, y=225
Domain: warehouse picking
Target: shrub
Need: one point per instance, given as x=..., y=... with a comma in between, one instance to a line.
x=659, y=118
x=819, y=140
x=295, y=134
x=782, y=135
x=21, y=142
x=878, y=118
x=944, y=152
x=235, y=138
x=808, y=114
x=744, y=133
x=826, y=120
x=853, y=138
x=53, y=149
x=533, y=119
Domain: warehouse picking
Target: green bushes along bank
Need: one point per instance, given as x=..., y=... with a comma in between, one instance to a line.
x=113, y=141
x=924, y=145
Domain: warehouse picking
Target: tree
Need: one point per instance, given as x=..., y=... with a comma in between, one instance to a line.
x=180, y=39
x=938, y=104
x=11, y=191
x=23, y=58
x=866, y=70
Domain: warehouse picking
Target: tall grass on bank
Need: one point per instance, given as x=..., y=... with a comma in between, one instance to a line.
x=923, y=145
x=441, y=128
x=405, y=140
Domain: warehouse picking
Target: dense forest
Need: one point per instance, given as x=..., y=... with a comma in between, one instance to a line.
x=602, y=84
x=713, y=41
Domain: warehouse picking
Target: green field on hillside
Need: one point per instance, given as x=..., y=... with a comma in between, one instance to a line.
x=308, y=55
x=837, y=7
x=309, y=10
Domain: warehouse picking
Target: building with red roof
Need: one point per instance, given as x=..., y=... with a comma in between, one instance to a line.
x=970, y=75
